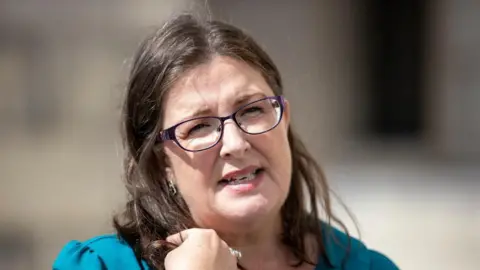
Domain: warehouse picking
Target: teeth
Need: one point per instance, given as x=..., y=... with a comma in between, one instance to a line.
x=242, y=178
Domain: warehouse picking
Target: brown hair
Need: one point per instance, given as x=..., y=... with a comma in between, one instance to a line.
x=152, y=212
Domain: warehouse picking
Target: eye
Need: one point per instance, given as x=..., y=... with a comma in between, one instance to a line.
x=251, y=111
x=198, y=128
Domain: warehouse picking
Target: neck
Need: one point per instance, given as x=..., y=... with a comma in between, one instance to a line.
x=260, y=246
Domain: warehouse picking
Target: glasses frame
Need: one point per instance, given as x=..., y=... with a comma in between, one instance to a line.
x=169, y=133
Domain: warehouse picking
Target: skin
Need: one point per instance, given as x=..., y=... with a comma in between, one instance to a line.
x=249, y=221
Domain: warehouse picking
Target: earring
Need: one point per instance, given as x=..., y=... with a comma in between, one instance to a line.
x=172, y=187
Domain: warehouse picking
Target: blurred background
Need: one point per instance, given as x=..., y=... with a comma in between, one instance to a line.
x=384, y=93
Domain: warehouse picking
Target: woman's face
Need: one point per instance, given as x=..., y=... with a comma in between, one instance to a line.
x=210, y=181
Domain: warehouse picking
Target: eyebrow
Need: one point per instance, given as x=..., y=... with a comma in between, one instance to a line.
x=197, y=113
x=240, y=101
x=249, y=97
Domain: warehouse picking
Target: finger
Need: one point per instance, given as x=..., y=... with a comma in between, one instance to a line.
x=179, y=238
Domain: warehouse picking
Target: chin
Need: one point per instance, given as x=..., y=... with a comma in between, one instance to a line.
x=249, y=210
x=248, y=203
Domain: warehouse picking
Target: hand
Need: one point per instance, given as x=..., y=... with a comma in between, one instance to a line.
x=201, y=249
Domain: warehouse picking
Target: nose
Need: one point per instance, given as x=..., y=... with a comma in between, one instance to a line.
x=234, y=143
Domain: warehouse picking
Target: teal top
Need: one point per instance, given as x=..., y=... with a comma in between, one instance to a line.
x=112, y=253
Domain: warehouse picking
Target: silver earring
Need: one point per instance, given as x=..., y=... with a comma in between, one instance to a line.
x=236, y=253
x=172, y=187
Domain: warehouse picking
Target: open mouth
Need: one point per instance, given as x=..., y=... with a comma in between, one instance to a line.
x=240, y=179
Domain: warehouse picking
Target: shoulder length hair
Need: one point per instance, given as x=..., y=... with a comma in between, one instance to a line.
x=152, y=213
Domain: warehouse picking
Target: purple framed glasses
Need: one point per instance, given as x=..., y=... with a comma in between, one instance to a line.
x=202, y=133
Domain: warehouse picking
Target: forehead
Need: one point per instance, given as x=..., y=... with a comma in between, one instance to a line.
x=213, y=88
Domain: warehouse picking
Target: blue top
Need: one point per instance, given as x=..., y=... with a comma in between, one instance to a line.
x=112, y=253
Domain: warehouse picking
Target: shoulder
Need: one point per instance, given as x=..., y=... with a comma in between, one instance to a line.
x=348, y=253
x=98, y=253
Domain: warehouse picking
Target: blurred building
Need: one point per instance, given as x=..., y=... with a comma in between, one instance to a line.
x=385, y=95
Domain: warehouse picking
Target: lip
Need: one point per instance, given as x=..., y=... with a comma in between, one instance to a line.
x=243, y=171
x=245, y=187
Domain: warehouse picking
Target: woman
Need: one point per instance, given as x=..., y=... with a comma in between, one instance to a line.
x=217, y=178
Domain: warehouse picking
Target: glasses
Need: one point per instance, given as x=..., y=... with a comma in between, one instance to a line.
x=202, y=133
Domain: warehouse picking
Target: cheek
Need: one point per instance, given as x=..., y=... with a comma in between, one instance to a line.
x=278, y=145
x=275, y=148
x=193, y=171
